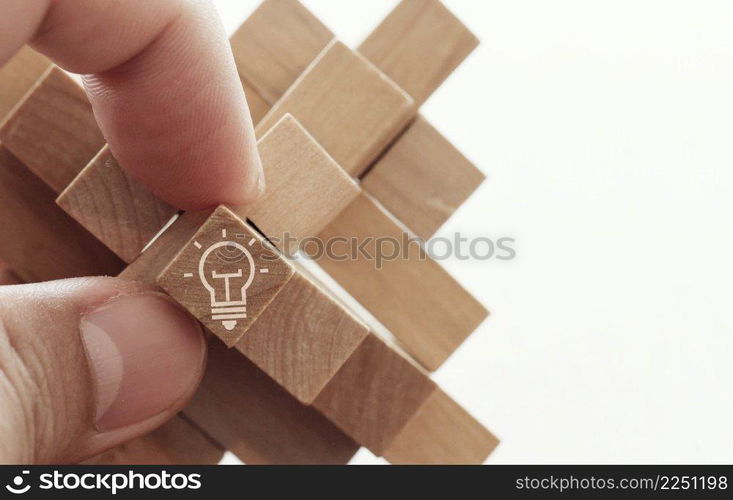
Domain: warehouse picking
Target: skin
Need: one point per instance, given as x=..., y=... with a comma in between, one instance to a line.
x=165, y=92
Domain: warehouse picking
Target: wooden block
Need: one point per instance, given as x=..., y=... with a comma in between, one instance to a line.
x=40, y=242
x=239, y=406
x=53, y=130
x=302, y=338
x=18, y=75
x=306, y=188
x=275, y=44
x=347, y=105
x=225, y=275
x=177, y=442
x=441, y=433
x=411, y=294
x=117, y=209
x=374, y=394
x=418, y=45
x=422, y=179
x=258, y=107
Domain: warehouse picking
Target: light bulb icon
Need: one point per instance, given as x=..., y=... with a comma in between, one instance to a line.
x=226, y=269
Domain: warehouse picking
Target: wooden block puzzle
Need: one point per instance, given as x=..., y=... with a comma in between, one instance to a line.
x=18, y=76
x=305, y=380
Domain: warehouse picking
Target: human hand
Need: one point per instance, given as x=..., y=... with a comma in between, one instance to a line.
x=89, y=363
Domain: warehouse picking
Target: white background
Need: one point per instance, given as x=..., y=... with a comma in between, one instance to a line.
x=605, y=130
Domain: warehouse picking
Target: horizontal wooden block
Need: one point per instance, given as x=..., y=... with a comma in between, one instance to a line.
x=177, y=442
x=302, y=338
x=347, y=105
x=117, y=209
x=441, y=433
x=306, y=188
x=411, y=294
x=39, y=241
x=275, y=44
x=225, y=275
x=53, y=130
x=418, y=45
x=239, y=406
x=422, y=179
x=18, y=75
x=374, y=394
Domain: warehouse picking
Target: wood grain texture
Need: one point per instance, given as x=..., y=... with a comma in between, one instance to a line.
x=39, y=241
x=422, y=179
x=177, y=442
x=275, y=44
x=418, y=45
x=53, y=130
x=374, y=394
x=18, y=75
x=305, y=190
x=302, y=338
x=347, y=105
x=441, y=433
x=226, y=275
x=117, y=209
x=239, y=406
x=411, y=294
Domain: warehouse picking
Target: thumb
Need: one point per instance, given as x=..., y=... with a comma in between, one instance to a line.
x=86, y=364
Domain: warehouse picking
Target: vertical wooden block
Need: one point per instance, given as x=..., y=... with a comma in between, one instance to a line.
x=418, y=45
x=177, y=442
x=441, y=433
x=225, y=275
x=53, y=130
x=422, y=179
x=306, y=188
x=258, y=107
x=302, y=338
x=374, y=394
x=411, y=294
x=275, y=44
x=239, y=406
x=18, y=75
x=39, y=241
x=117, y=209
x=347, y=105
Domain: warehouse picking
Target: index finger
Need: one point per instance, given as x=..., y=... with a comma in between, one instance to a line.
x=163, y=86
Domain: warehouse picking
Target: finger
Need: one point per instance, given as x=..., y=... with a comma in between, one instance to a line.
x=86, y=364
x=161, y=79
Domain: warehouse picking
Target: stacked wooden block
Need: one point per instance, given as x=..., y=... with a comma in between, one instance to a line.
x=299, y=378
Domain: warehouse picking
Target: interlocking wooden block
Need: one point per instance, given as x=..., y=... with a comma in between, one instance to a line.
x=18, y=75
x=374, y=394
x=306, y=188
x=418, y=45
x=53, y=131
x=225, y=275
x=411, y=294
x=177, y=442
x=114, y=207
x=441, y=433
x=422, y=179
x=237, y=404
x=347, y=105
x=275, y=44
x=302, y=338
x=39, y=241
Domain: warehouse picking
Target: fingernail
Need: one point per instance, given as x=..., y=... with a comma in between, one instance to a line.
x=145, y=356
